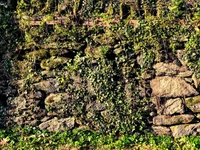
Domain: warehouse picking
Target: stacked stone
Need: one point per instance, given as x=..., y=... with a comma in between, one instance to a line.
x=175, y=92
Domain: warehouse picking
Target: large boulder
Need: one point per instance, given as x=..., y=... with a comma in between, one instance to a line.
x=168, y=87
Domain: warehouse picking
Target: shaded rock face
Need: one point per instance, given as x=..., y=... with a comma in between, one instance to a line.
x=49, y=86
x=171, y=87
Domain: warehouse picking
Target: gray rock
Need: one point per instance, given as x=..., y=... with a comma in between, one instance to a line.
x=33, y=123
x=171, y=87
x=96, y=106
x=19, y=120
x=46, y=118
x=56, y=124
x=36, y=95
x=198, y=115
x=161, y=130
x=172, y=106
x=128, y=91
x=53, y=62
x=185, y=130
x=193, y=103
x=49, y=86
x=106, y=115
x=172, y=120
x=90, y=87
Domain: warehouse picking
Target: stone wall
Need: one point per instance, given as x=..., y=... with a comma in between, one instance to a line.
x=56, y=98
x=120, y=76
x=175, y=92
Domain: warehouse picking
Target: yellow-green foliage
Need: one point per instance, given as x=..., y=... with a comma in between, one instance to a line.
x=37, y=54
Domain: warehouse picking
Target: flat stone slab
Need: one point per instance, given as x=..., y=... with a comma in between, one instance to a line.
x=172, y=120
x=168, y=87
x=185, y=130
x=193, y=103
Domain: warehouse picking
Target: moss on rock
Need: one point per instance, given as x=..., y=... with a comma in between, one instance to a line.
x=37, y=54
x=53, y=62
x=193, y=103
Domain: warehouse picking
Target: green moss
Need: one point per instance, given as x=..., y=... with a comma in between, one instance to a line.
x=53, y=62
x=191, y=101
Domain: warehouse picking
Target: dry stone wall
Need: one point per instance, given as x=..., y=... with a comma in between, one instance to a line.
x=170, y=85
x=120, y=76
x=175, y=92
